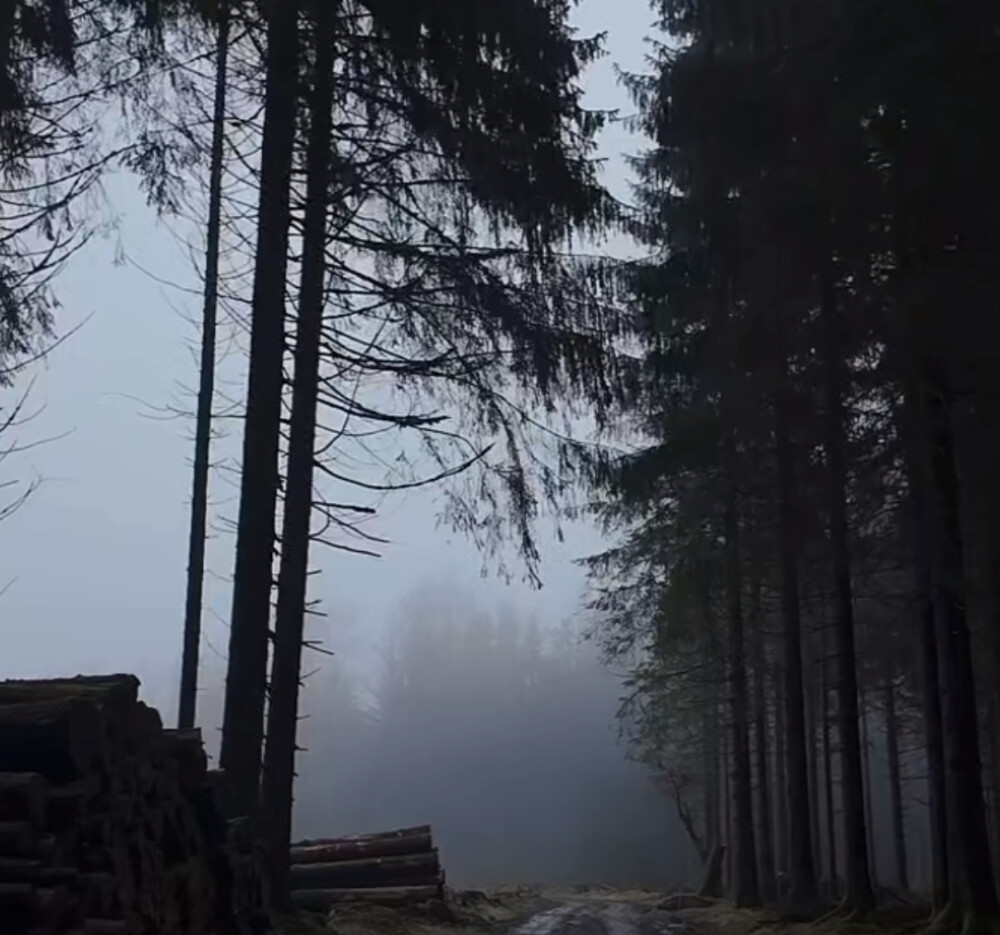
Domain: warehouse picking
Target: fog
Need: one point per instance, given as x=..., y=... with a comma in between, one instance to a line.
x=498, y=730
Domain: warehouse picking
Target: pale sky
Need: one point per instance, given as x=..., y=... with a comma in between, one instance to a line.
x=94, y=564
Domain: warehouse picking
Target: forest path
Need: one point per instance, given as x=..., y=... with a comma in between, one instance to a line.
x=607, y=915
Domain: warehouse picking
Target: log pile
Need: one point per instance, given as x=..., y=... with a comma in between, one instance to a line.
x=111, y=825
x=392, y=868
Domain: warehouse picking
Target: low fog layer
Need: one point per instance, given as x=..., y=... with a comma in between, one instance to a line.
x=498, y=731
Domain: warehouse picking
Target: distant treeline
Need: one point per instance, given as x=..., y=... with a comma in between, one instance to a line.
x=501, y=733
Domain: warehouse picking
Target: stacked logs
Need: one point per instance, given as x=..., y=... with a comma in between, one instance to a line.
x=391, y=868
x=111, y=825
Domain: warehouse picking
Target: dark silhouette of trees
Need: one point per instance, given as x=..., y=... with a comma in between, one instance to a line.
x=810, y=210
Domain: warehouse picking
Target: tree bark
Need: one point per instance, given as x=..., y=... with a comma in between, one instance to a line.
x=246, y=678
x=895, y=785
x=933, y=725
x=710, y=786
x=866, y=780
x=960, y=716
x=727, y=813
x=402, y=870
x=279, y=762
x=781, y=799
x=831, y=825
x=802, y=871
x=711, y=884
x=745, y=884
x=768, y=885
x=188, y=699
x=322, y=900
x=812, y=750
x=859, y=892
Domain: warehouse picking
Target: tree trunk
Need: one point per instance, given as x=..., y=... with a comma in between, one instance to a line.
x=831, y=825
x=933, y=726
x=766, y=838
x=994, y=772
x=402, y=870
x=325, y=852
x=866, y=781
x=279, y=762
x=188, y=699
x=727, y=813
x=895, y=785
x=960, y=715
x=994, y=700
x=710, y=786
x=859, y=893
x=711, y=884
x=246, y=678
x=812, y=750
x=780, y=797
x=802, y=871
x=745, y=885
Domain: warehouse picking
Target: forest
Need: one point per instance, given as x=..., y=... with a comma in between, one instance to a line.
x=780, y=410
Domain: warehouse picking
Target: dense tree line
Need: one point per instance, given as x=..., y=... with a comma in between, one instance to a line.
x=808, y=545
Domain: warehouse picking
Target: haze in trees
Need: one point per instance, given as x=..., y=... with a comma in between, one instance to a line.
x=790, y=392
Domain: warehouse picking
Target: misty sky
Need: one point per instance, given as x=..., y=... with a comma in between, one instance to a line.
x=94, y=564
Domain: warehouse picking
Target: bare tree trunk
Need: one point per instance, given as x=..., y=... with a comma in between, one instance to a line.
x=746, y=888
x=802, y=871
x=710, y=787
x=895, y=785
x=765, y=824
x=188, y=698
x=727, y=813
x=994, y=773
x=994, y=699
x=780, y=798
x=937, y=809
x=958, y=689
x=866, y=775
x=813, y=754
x=279, y=761
x=858, y=874
x=831, y=825
x=246, y=679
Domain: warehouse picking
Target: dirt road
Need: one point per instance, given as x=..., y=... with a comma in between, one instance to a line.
x=599, y=917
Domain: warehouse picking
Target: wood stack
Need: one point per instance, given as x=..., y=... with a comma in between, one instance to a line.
x=111, y=825
x=391, y=868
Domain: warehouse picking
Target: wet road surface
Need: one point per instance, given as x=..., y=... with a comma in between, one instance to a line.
x=602, y=918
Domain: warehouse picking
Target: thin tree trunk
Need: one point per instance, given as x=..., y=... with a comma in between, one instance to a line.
x=937, y=809
x=958, y=690
x=710, y=788
x=813, y=754
x=279, y=761
x=895, y=785
x=727, y=812
x=831, y=825
x=766, y=839
x=866, y=778
x=802, y=871
x=188, y=699
x=994, y=771
x=745, y=885
x=781, y=799
x=994, y=733
x=246, y=678
x=858, y=880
